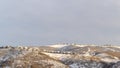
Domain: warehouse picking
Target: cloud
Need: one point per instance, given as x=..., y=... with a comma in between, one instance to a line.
x=53, y=21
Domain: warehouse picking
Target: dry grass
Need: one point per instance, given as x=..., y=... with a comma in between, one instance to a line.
x=116, y=54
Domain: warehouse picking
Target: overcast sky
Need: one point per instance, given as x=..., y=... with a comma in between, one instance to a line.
x=42, y=22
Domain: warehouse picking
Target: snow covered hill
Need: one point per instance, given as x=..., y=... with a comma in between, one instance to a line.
x=60, y=56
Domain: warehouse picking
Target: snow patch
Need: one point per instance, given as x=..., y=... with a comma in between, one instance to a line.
x=59, y=45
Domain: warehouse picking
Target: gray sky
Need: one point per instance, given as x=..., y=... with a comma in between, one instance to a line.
x=41, y=22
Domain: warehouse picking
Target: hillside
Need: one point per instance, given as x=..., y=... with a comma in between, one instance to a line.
x=60, y=56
